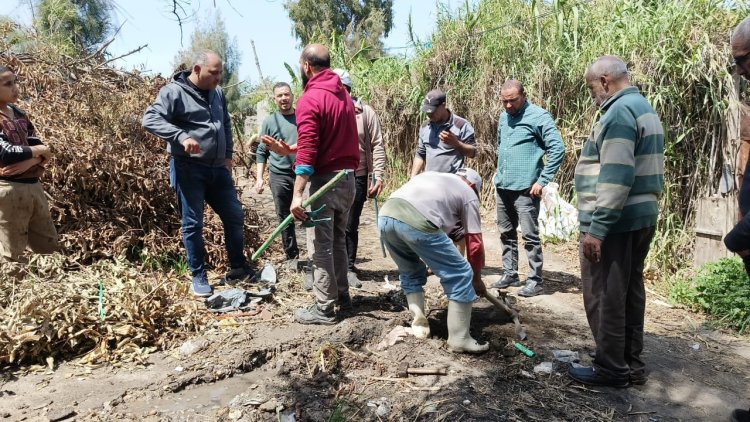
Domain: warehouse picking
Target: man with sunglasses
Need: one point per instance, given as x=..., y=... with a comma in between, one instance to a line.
x=738, y=240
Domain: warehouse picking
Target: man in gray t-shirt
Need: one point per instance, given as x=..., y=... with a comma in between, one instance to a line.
x=414, y=224
x=445, y=140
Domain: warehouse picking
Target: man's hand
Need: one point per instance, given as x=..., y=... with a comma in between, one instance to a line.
x=536, y=190
x=41, y=151
x=449, y=139
x=375, y=189
x=592, y=248
x=296, y=208
x=191, y=146
x=259, y=186
x=278, y=146
x=20, y=167
x=228, y=164
x=479, y=286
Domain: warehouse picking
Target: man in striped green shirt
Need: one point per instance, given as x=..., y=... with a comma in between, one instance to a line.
x=618, y=179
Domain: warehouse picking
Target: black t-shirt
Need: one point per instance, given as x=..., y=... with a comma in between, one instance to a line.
x=203, y=92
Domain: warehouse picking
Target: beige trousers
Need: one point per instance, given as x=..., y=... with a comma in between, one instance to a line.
x=25, y=221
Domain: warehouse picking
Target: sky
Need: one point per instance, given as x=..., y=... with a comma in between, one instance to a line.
x=150, y=23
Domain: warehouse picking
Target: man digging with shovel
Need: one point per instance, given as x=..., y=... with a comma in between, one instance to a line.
x=414, y=224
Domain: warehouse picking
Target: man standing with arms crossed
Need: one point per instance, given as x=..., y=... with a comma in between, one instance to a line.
x=327, y=142
x=619, y=178
x=525, y=133
x=25, y=219
x=190, y=114
x=371, y=166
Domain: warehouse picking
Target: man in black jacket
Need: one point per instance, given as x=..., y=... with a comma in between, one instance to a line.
x=190, y=114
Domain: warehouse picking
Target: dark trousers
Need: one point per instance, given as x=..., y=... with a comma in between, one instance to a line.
x=738, y=239
x=282, y=188
x=352, y=226
x=514, y=208
x=615, y=302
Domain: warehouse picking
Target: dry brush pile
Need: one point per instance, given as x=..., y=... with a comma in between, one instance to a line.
x=109, y=181
x=53, y=312
x=111, y=201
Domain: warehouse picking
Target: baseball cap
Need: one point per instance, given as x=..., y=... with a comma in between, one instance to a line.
x=433, y=99
x=346, y=79
x=472, y=176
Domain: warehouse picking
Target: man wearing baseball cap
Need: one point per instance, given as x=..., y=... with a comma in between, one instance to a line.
x=445, y=140
x=414, y=224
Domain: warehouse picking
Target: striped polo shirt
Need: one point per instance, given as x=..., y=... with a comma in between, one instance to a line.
x=620, y=174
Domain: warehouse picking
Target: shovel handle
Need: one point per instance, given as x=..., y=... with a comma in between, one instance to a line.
x=314, y=197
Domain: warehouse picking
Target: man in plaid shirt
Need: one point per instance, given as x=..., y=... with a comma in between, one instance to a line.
x=525, y=134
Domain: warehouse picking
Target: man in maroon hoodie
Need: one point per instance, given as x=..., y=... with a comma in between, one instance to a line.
x=327, y=142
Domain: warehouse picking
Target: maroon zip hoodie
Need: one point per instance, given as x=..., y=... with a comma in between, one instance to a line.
x=327, y=138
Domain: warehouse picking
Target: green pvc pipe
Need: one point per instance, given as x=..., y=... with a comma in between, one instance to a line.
x=528, y=352
x=101, y=300
x=314, y=197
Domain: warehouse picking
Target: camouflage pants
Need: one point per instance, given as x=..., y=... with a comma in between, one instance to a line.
x=25, y=221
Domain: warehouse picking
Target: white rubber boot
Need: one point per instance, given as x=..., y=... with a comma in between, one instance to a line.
x=419, y=326
x=459, y=339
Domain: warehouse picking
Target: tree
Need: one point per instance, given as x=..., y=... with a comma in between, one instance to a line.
x=212, y=35
x=75, y=25
x=361, y=22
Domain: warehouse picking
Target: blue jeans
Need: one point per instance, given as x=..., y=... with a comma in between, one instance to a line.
x=411, y=249
x=196, y=185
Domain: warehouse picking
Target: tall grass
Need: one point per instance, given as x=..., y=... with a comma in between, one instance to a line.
x=677, y=52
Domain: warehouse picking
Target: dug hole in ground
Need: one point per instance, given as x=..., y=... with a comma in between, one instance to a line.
x=267, y=368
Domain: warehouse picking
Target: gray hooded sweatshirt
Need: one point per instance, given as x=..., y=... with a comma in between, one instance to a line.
x=180, y=112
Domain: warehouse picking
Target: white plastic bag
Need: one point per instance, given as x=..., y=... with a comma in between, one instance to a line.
x=557, y=218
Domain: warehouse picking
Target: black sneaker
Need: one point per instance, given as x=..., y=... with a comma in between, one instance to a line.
x=741, y=415
x=639, y=380
x=506, y=281
x=589, y=376
x=353, y=280
x=531, y=288
x=345, y=302
x=239, y=275
x=314, y=315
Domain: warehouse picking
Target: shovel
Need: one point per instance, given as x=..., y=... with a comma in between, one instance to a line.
x=501, y=305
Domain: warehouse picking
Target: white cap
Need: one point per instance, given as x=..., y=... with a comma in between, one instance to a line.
x=344, y=76
x=472, y=176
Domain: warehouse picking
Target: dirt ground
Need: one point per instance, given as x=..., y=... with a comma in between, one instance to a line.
x=266, y=367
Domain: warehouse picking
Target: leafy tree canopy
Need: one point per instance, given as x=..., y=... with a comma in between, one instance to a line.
x=363, y=23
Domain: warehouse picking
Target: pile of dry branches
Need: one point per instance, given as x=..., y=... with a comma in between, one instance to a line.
x=108, y=183
x=53, y=312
